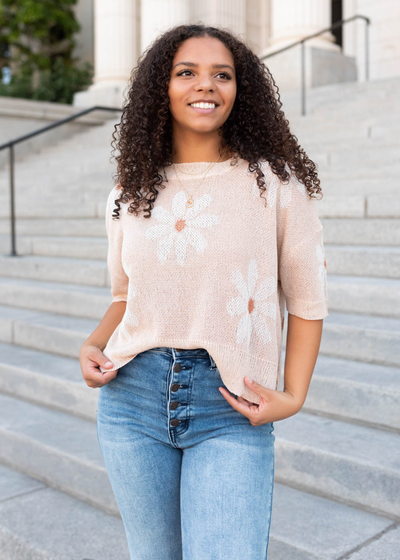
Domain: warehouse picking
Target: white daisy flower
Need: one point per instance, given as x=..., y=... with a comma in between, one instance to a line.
x=252, y=304
x=181, y=227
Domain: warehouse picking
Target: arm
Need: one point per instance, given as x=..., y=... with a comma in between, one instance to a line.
x=91, y=354
x=119, y=279
x=107, y=325
x=302, y=347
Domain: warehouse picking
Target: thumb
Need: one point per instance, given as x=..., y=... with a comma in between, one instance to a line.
x=257, y=388
x=102, y=359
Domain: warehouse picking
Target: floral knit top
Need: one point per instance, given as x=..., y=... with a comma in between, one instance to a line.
x=217, y=274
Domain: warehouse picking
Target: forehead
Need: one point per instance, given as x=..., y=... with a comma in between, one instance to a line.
x=203, y=51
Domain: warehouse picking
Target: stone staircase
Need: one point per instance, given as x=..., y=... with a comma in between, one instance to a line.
x=337, y=491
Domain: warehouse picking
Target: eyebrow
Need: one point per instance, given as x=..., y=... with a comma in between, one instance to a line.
x=196, y=65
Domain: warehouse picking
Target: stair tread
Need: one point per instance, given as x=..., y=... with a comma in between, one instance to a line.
x=63, y=433
x=377, y=448
x=38, y=520
x=41, y=363
x=54, y=286
x=379, y=377
x=370, y=322
x=55, y=321
x=50, y=520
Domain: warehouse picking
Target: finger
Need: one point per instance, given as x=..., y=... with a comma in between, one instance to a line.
x=242, y=408
x=93, y=374
x=97, y=356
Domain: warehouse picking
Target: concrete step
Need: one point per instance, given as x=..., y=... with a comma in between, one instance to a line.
x=364, y=295
x=347, y=294
x=360, y=231
x=351, y=336
x=362, y=337
x=362, y=186
x=70, y=247
x=345, y=260
x=56, y=227
x=344, y=389
x=56, y=269
x=43, y=443
x=41, y=523
x=55, y=448
x=336, y=97
x=305, y=526
x=377, y=261
x=47, y=332
x=342, y=172
x=355, y=391
x=355, y=464
x=66, y=207
x=46, y=379
x=53, y=297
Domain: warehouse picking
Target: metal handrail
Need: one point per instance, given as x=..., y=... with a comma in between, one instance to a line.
x=10, y=145
x=308, y=37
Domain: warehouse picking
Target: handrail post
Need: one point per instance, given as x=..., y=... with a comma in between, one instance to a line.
x=303, y=78
x=367, y=50
x=11, y=145
x=12, y=202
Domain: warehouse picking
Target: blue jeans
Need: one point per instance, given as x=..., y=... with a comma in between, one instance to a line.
x=193, y=479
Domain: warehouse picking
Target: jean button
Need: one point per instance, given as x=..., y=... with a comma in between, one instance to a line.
x=175, y=387
x=174, y=405
x=177, y=367
x=175, y=422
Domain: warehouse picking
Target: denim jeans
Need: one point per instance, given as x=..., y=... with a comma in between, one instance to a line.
x=192, y=477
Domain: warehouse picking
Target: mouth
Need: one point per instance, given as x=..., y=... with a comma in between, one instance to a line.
x=203, y=110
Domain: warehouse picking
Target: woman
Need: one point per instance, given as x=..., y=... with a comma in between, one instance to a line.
x=199, y=281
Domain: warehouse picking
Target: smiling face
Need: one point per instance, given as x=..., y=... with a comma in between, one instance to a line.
x=202, y=69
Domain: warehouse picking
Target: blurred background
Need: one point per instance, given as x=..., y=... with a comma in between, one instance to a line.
x=337, y=66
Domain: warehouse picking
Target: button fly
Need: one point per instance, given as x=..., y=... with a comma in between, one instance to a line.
x=175, y=387
x=174, y=405
x=177, y=367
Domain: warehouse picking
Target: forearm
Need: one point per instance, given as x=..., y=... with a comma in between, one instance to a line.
x=107, y=325
x=302, y=348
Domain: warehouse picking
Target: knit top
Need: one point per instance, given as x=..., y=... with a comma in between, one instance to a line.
x=217, y=275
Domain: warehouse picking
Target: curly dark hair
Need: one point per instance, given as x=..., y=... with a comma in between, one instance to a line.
x=255, y=129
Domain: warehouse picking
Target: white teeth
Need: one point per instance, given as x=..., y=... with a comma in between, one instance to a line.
x=203, y=105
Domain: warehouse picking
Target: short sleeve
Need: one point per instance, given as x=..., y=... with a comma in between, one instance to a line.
x=118, y=276
x=302, y=270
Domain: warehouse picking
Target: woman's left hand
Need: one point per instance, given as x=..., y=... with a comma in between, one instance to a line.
x=274, y=405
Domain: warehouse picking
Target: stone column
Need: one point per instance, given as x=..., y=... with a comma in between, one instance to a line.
x=292, y=20
x=224, y=13
x=116, y=53
x=156, y=16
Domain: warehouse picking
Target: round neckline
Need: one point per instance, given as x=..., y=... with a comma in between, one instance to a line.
x=196, y=166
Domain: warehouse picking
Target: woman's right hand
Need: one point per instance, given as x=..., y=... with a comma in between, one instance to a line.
x=90, y=358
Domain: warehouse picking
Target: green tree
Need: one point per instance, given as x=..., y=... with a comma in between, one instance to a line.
x=37, y=43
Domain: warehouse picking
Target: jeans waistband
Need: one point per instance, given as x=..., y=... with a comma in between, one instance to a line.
x=185, y=352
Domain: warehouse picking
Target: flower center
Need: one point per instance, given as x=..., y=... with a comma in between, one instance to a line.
x=180, y=225
x=250, y=305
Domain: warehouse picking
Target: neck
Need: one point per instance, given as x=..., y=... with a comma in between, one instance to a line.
x=193, y=148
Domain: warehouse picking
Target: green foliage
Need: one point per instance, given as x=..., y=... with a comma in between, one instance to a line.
x=37, y=41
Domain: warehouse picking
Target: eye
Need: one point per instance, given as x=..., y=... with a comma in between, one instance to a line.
x=223, y=73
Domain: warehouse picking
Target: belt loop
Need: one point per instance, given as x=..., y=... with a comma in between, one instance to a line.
x=213, y=365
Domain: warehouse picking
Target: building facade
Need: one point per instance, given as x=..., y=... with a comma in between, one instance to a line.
x=115, y=33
